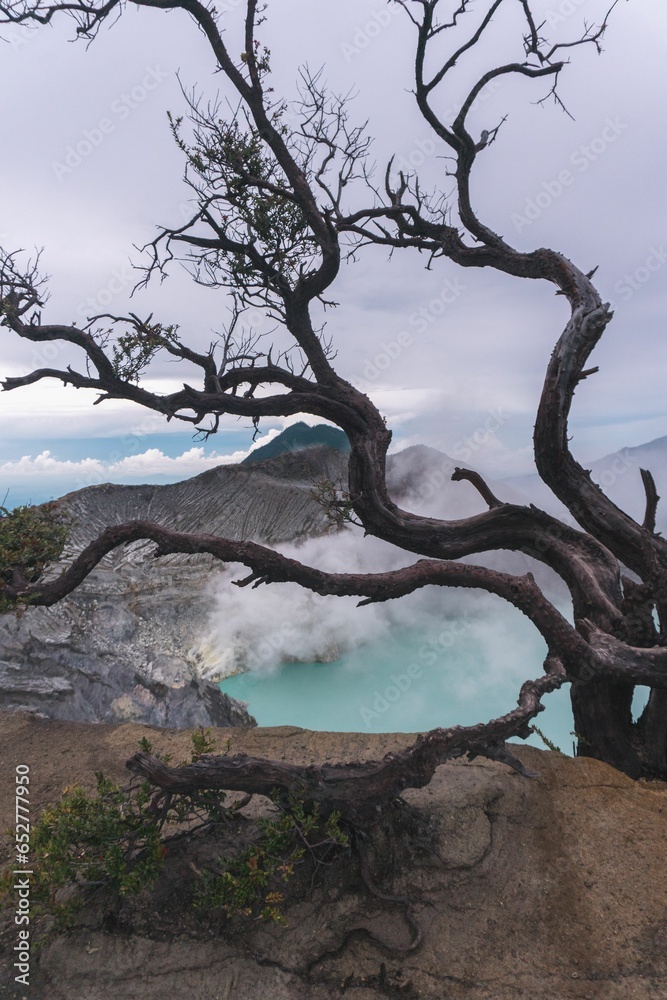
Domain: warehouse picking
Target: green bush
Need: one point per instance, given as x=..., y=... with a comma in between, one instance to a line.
x=117, y=839
x=106, y=839
x=251, y=884
x=30, y=537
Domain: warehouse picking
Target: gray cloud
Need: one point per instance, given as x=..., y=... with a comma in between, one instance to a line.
x=90, y=169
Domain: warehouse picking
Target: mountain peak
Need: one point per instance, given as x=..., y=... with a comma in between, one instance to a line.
x=299, y=436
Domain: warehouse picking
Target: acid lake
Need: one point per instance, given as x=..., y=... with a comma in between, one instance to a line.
x=411, y=680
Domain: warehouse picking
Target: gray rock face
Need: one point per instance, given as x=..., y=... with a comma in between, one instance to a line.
x=121, y=647
x=268, y=501
x=54, y=666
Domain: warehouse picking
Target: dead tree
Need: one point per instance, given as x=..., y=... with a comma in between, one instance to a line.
x=270, y=225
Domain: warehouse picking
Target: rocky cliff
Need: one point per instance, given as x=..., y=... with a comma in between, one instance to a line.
x=545, y=889
x=121, y=648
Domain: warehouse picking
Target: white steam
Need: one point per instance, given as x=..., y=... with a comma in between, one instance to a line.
x=258, y=629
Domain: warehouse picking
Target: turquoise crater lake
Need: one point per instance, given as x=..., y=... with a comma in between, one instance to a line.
x=413, y=679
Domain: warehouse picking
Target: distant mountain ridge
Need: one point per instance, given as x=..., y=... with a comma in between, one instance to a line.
x=300, y=436
x=618, y=475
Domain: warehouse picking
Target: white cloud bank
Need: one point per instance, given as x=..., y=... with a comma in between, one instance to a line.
x=152, y=462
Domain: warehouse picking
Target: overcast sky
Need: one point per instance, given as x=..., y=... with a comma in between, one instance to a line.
x=89, y=169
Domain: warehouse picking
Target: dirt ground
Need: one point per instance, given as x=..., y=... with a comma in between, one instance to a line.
x=545, y=889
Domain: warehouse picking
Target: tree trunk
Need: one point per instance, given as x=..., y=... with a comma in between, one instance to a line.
x=603, y=723
x=652, y=731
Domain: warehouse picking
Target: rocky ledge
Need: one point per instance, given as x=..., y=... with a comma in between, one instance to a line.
x=545, y=889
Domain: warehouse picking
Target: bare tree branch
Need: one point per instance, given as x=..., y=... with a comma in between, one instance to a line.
x=358, y=790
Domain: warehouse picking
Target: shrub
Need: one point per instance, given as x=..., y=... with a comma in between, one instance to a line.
x=30, y=537
x=117, y=838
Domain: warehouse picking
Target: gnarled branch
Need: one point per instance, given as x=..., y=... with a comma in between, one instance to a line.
x=357, y=790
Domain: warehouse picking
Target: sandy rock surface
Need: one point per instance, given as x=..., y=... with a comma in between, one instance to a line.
x=550, y=889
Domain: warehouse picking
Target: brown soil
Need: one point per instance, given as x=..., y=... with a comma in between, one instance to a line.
x=551, y=889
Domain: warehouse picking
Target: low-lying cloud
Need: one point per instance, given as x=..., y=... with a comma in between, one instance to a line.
x=150, y=462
